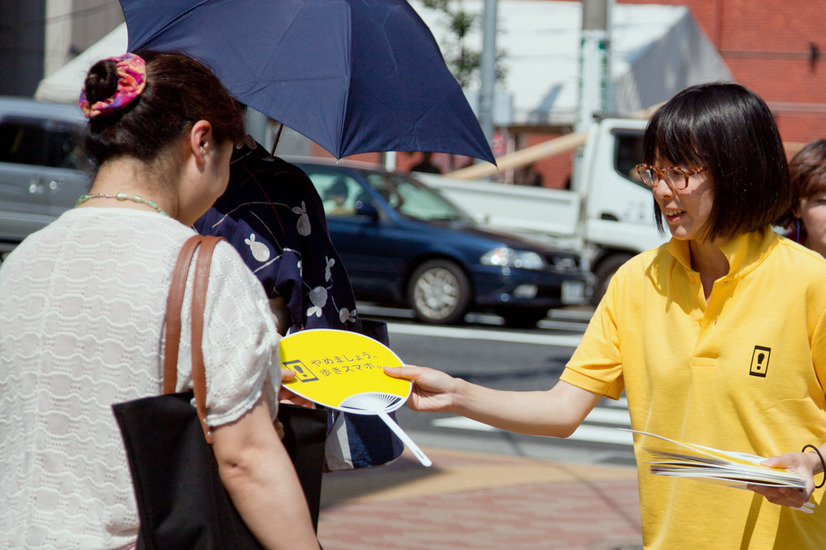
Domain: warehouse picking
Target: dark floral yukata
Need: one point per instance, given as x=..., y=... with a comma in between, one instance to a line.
x=273, y=216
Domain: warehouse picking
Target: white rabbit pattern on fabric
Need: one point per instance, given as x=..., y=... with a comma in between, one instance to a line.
x=328, y=270
x=318, y=297
x=303, y=224
x=260, y=251
x=346, y=316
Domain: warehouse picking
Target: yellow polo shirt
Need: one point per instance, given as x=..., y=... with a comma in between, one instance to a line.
x=745, y=372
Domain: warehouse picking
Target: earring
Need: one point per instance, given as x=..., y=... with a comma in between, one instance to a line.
x=798, y=230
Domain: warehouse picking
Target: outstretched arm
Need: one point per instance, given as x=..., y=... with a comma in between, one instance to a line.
x=556, y=412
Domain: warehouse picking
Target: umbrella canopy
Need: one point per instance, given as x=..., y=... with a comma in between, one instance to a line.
x=355, y=76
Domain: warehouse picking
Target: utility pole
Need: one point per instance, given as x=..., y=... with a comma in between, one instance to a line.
x=594, y=61
x=488, y=69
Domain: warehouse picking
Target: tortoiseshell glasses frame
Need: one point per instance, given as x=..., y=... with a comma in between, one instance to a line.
x=674, y=176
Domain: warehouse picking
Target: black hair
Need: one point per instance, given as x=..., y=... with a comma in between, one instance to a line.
x=731, y=131
x=179, y=92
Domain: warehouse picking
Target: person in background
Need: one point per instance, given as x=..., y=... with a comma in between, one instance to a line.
x=273, y=216
x=717, y=338
x=335, y=199
x=805, y=221
x=82, y=311
x=426, y=165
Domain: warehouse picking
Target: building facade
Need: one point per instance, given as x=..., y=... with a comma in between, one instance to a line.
x=776, y=48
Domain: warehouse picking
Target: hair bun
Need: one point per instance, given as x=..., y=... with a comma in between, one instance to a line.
x=101, y=81
x=113, y=84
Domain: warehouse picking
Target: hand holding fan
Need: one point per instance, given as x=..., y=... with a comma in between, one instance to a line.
x=345, y=371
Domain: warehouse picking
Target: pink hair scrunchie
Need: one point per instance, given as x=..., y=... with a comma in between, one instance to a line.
x=131, y=82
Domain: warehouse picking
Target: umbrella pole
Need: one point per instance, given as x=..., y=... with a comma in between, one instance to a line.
x=277, y=138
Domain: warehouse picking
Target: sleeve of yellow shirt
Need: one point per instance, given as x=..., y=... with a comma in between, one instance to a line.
x=596, y=365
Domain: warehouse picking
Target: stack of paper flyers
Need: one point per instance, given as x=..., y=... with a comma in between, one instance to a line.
x=725, y=467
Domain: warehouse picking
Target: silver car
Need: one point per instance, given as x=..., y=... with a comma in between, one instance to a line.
x=39, y=174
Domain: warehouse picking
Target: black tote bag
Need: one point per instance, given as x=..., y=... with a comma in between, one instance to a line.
x=305, y=435
x=182, y=503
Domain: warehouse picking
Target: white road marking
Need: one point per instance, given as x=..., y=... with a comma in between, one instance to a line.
x=612, y=415
x=499, y=335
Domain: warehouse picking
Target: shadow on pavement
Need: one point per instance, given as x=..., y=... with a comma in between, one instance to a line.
x=340, y=487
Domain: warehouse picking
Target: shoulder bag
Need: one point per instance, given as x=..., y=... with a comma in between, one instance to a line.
x=181, y=500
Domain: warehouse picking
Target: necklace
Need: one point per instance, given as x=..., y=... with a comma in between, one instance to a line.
x=122, y=197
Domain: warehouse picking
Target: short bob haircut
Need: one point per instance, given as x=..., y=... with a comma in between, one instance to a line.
x=729, y=130
x=808, y=178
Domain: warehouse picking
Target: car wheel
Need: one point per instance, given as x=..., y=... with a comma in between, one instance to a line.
x=522, y=317
x=603, y=273
x=439, y=292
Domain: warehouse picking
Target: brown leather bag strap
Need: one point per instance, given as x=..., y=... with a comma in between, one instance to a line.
x=199, y=294
x=174, y=303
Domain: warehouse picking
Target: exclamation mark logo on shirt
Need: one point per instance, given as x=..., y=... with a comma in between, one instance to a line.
x=760, y=361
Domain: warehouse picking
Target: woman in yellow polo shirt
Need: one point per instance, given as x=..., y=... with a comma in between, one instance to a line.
x=717, y=337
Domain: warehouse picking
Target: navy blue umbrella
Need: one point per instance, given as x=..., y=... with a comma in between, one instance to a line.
x=355, y=76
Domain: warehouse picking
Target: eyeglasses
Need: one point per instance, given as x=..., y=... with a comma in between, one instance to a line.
x=676, y=178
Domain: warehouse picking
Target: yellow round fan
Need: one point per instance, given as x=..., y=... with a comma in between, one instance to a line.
x=345, y=371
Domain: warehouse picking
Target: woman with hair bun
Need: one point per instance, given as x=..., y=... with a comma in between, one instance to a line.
x=82, y=308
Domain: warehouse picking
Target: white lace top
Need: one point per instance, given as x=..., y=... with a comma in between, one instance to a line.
x=82, y=307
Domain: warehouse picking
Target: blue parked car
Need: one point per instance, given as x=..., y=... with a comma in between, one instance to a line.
x=404, y=244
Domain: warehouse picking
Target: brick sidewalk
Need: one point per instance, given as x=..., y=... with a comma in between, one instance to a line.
x=481, y=501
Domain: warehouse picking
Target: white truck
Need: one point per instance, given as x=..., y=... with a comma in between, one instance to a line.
x=607, y=214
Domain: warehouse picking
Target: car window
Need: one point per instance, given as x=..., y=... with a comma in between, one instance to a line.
x=412, y=199
x=338, y=192
x=39, y=142
x=627, y=154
